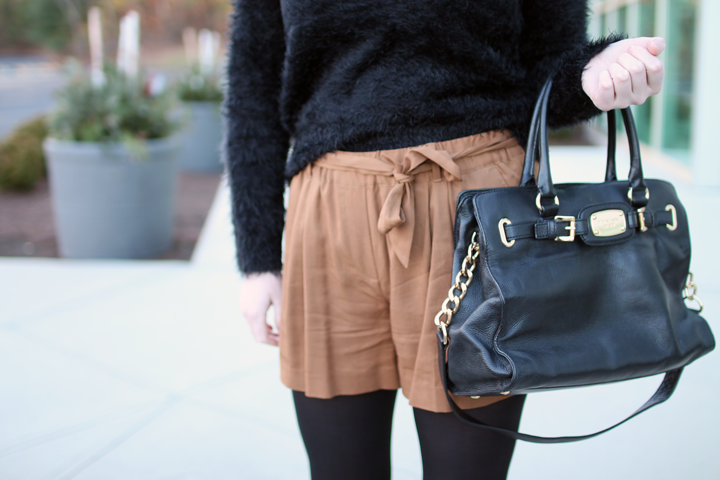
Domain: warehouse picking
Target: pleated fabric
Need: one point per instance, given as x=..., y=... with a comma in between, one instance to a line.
x=368, y=263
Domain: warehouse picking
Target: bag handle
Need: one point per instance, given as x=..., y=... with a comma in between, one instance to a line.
x=610, y=169
x=664, y=391
x=528, y=177
x=538, y=146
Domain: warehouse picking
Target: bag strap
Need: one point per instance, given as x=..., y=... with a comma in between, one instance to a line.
x=664, y=391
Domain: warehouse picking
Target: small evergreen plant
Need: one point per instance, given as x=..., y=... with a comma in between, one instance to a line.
x=120, y=110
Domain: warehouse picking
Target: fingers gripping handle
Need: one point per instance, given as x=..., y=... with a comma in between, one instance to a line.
x=537, y=147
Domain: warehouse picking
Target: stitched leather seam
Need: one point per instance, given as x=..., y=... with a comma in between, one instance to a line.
x=456, y=227
x=486, y=267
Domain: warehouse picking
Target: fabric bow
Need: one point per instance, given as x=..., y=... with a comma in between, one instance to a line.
x=397, y=217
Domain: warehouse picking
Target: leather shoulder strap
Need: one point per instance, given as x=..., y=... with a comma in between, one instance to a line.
x=664, y=391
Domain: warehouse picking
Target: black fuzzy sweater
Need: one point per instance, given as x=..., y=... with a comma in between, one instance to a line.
x=363, y=75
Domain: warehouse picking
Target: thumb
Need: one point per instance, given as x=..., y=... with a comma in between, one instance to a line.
x=654, y=45
x=278, y=311
x=276, y=298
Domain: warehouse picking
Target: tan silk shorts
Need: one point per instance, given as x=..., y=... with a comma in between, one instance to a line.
x=368, y=263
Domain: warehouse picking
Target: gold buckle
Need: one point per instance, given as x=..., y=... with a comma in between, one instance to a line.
x=571, y=228
x=671, y=208
x=641, y=219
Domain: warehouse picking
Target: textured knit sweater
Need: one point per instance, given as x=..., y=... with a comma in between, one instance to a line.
x=306, y=77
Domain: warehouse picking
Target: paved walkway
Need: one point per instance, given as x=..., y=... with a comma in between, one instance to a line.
x=146, y=370
x=26, y=89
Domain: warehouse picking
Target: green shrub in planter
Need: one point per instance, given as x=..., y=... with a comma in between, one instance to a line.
x=121, y=110
x=22, y=161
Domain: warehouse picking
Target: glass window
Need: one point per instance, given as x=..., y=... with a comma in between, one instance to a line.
x=678, y=84
x=646, y=28
x=647, y=18
x=622, y=20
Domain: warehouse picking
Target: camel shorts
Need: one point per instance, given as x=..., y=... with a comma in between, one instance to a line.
x=368, y=263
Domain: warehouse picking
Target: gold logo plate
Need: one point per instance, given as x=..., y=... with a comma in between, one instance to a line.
x=608, y=223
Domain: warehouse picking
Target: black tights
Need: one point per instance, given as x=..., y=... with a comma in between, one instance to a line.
x=348, y=437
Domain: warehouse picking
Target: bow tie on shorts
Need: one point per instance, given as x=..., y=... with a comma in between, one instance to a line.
x=397, y=217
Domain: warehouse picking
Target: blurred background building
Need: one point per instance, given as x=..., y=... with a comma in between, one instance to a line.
x=679, y=123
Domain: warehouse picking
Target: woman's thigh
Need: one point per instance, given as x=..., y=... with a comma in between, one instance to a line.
x=453, y=449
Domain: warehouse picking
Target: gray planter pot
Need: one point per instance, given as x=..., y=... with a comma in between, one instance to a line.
x=108, y=204
x=201, y=138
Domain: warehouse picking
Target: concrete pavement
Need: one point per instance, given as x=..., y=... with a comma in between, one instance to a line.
x=119, y=369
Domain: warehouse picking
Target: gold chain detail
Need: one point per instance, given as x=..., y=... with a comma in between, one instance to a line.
x=460, y=286
x=690, y=291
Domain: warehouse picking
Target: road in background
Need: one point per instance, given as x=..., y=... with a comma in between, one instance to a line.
x=26, y=89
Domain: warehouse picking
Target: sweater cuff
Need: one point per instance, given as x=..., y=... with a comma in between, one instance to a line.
x=568, y=103
x=265, y=257
x=256, y=198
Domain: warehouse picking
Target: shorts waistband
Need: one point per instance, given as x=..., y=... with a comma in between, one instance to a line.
x=407, y=161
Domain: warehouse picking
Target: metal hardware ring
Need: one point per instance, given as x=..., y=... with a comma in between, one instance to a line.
x=503, y=236
x=647, y=194
x=690, y=292
x=539, y=206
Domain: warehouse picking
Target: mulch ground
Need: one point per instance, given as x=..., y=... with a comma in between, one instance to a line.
x=27, y=224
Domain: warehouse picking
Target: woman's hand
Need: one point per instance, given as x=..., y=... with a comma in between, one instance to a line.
x=625, y=73
x=258, y=292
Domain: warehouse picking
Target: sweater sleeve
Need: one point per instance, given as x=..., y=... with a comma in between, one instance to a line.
x=554, y=42
x=255, y=143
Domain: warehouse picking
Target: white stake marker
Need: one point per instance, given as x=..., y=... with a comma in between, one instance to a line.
x=96, y=46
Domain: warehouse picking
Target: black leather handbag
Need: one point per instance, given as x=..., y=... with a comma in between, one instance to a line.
x=574, y=284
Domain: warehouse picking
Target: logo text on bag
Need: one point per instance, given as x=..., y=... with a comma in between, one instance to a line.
x=608, y=223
